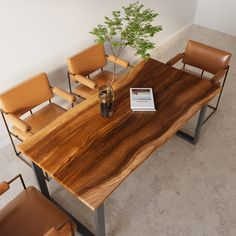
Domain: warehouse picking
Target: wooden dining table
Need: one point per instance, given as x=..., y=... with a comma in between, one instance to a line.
x=91, y=155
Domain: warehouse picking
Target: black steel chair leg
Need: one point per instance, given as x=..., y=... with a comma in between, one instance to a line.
x=214, y=108
x=69, y=82
x=9, y=133
x=70, y=88
x=18, y=154
x=39, y=175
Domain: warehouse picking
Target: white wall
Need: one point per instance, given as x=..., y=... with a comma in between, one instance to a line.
x=38, y=35
x=219, y=15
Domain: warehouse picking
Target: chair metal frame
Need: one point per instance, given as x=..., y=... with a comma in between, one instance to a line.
x=18, y=154
x=214, y=108
x=21, y=179
x=70, y=86
x=202, y=119
x=11, y=134
x=99, y=216
x=69, y=79
x=55, y=203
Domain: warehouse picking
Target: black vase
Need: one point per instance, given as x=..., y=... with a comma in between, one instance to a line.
x=106, y=97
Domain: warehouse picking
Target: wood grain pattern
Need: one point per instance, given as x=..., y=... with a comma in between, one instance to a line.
x=91, y=155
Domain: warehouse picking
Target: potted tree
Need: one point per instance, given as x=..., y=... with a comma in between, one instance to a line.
x=132, y=26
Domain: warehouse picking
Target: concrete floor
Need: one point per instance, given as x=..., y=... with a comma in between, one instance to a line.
x=182, y=190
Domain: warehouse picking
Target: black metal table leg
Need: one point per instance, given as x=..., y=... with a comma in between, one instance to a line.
x=100, y=221
x=43, y=188
x=41, y=180
x=194, y=139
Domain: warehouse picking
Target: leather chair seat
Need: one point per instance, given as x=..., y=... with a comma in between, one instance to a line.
x=39, y=120
x=102, y=78
x=17, y=218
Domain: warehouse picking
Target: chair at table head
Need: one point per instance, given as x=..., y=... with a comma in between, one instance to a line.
x=207, y=59
x=81, y=65
x=17, y=101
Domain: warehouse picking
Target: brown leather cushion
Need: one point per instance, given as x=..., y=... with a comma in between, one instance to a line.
x=87, y=61
x=205, y=57
x=84, y=91
x=66, y=230
x=30, y=214
x=103, y=78
x=26, y=95
x=39, y=120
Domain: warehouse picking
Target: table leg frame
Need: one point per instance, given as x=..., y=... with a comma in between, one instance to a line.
x=41, y=180
x=99, y=213
x=194, y=139
x=100, y=221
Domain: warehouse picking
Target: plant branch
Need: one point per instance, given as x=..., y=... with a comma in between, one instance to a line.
x=132, y=26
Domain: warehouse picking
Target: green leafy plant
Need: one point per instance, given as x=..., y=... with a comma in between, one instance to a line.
x=132, y=26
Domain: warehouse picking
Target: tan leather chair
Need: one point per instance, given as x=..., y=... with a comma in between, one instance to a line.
x=17, y=101
x=86, y=62
x=32, y=214
x=206, y=59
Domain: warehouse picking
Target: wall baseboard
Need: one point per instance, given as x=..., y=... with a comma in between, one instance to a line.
x=175, y=33
x=135, y=59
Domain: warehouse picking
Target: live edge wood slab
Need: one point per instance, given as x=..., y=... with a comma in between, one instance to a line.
x=91, y=155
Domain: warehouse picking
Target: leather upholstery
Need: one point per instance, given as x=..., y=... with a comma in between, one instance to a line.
x=87, y=61
x=218, y=75
x=30, y=214
x=103, y=78
x=85, y=81
x=118, y=61
x=205, y=57
x=4, y=186
x=39, y=120
x=20, y=124
x=26, y=95
x=20, y=99
x=62, y=93
x=66, y=230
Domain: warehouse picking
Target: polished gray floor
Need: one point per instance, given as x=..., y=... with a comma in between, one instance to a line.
x=182, y=190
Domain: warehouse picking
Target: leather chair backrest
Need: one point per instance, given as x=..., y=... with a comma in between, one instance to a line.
x=205, y=57
x=26, y=95
x=88, y=60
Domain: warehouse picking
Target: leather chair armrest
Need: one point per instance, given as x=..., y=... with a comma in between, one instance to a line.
x=20, y=124
x=118, y=61
x=4, y=186
x=85, y=81
x=64, y=94
x=52, y=232
x=175, y=59
x=65, y=230
x=218, y=76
